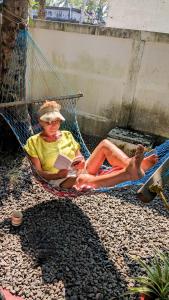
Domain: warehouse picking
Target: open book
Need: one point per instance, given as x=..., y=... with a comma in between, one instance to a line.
x=64, y=162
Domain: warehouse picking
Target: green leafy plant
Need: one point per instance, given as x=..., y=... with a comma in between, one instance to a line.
x=155, y=283
x=34, y=4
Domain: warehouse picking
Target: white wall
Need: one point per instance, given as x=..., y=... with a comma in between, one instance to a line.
x=148, y=15
x=123, y=74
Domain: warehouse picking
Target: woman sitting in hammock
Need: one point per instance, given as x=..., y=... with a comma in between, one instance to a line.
x=45, y=148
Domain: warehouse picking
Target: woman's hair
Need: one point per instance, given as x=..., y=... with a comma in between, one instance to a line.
x=48, y=103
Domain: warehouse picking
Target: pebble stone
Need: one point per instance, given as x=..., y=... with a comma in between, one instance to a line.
x=74, y=249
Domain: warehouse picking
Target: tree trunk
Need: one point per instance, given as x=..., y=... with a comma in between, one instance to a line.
x=41, y=12
x=13, y=10
x=13, y=64
x=12, y=76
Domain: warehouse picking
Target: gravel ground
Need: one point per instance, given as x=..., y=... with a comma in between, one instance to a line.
x=78, y=249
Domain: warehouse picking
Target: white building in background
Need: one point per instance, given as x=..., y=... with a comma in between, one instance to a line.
x=147, y=15
x=60, y=14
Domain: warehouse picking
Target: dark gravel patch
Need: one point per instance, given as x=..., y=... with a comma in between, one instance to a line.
x=74, y=249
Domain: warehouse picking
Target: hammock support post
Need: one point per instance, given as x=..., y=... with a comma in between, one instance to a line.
x=154, y=185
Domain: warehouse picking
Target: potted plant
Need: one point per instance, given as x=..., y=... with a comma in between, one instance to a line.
x=155, y=284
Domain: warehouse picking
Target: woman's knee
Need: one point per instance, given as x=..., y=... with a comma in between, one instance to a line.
x=105, y=144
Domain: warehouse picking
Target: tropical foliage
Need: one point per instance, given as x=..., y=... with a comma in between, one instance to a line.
x=156, y=282
x=34, y=4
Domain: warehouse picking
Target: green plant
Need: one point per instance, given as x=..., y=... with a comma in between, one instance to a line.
x=34, y=4
x=155, y=283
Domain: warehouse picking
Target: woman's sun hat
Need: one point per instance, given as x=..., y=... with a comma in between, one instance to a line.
x=50, y=113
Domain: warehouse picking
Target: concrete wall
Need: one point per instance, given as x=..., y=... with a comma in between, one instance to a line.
x=149, y=15
x=124, y=74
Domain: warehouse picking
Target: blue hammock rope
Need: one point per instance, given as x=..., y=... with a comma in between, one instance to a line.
x=38, y=80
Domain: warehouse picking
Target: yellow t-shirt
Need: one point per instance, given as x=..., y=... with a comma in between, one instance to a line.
x=47, y=152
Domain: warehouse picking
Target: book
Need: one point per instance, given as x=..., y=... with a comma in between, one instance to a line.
x=64, y=162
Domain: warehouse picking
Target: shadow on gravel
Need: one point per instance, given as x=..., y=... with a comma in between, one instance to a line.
x=62, y=241
x=129, y=194
x=14, y=177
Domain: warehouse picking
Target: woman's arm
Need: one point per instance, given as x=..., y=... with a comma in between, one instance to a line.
x=45, y=174
x=81, y=164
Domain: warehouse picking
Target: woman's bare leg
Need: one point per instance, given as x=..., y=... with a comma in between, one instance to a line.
x=115, y=156
x=149, y=162
x=132, y=172
x=109, y=151
x=68, y=183
x=119, y=158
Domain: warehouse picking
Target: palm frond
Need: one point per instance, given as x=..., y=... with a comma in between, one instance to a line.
x=139, y=290
x=144, y=281
x=156, y=280
x=165, y=290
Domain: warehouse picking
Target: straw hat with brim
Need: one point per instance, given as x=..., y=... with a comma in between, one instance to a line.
x=49, y=114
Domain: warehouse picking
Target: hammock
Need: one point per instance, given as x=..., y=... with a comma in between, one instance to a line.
x=24, y=88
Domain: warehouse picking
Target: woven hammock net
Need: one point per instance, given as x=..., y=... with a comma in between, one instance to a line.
x=32, y=78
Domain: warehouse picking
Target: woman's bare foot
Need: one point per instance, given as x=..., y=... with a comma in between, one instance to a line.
x=84, y=179
x=135, y=165
x=149, y=162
